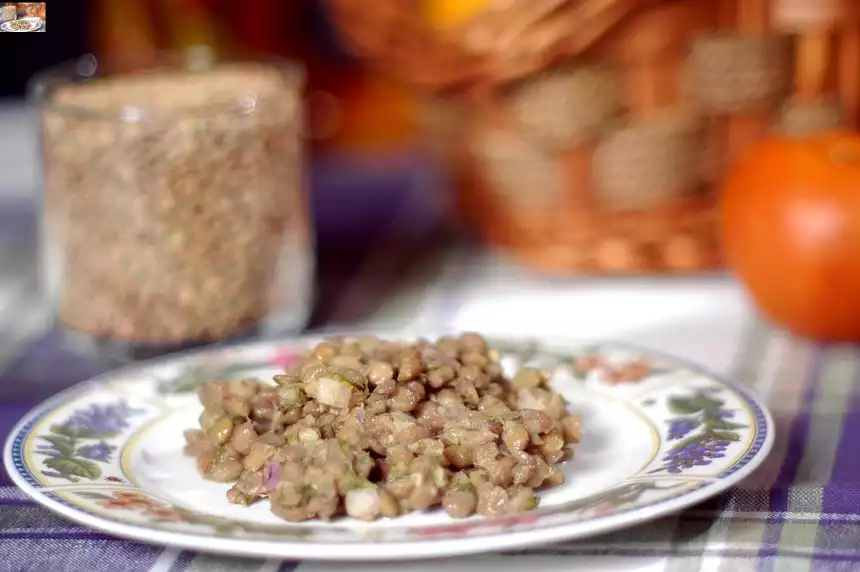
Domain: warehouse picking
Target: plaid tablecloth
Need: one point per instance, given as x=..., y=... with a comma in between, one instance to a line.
x=801, y=511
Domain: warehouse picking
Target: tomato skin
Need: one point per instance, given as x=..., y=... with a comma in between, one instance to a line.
x=790, y=217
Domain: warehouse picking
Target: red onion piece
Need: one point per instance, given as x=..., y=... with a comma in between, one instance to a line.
x=271, y=474
x=382, y=466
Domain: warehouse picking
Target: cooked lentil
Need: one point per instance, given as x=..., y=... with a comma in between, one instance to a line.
x=373, y=428
x=20, y=25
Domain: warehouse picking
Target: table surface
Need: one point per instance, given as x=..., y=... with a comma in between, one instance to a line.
x=800, y=511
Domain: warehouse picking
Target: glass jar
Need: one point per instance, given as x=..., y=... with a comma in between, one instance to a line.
x=8, y=12
x=174, y=211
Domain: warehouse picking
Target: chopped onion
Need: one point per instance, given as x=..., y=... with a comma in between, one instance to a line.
x=271, y=474
x=359, y=414
x=333, y=393
x=363, y=503
x=526, y=399
x=402, y=421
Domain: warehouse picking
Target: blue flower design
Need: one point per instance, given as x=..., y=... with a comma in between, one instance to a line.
x=695, y=454
x=102, y=419
x=49, y=449
x=100, y=451
x=681, y=427
x=74, y=448
x=701, y=428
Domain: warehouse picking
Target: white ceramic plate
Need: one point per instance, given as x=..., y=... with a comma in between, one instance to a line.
x=35, y=24
x=108, y=454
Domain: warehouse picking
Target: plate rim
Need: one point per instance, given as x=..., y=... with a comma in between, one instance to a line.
x=370, y=551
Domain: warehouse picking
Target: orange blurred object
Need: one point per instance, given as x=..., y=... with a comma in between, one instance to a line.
x=368, y=110
x=125, y=30
x=351, y=107
x=189, y=22
x=791, y=232
x=447, y=13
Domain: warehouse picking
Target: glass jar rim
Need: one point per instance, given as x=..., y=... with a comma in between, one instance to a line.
x=86, y=68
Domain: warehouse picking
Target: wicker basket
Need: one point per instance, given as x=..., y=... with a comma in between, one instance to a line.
x=589, y=135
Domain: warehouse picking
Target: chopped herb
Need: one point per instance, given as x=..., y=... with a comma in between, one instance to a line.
x=398, y=470
x=351, y=481
x=464, y=486
x=246, y=500
x=340, y=378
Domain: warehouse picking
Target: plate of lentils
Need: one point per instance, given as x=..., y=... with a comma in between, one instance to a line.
x=22, y=25
x=352, y=446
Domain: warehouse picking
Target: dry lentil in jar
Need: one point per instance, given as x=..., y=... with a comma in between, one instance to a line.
x=372, y=428
x=174, y=208
x=8, y=11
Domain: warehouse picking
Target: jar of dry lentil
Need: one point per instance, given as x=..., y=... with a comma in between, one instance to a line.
x=174, y=210
x=8, y=11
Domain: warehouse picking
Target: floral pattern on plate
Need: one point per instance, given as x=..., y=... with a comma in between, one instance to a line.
x=73, y=448
x=704, y=415
x=660, y=435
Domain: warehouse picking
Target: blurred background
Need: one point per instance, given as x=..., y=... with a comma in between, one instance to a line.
x=586, y=169
x=549, y=143
x=364, y=123
x=348, y=100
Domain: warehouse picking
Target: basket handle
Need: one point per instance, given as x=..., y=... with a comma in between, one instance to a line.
x=511, y=39
x=550, y=30
x=504, y=23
